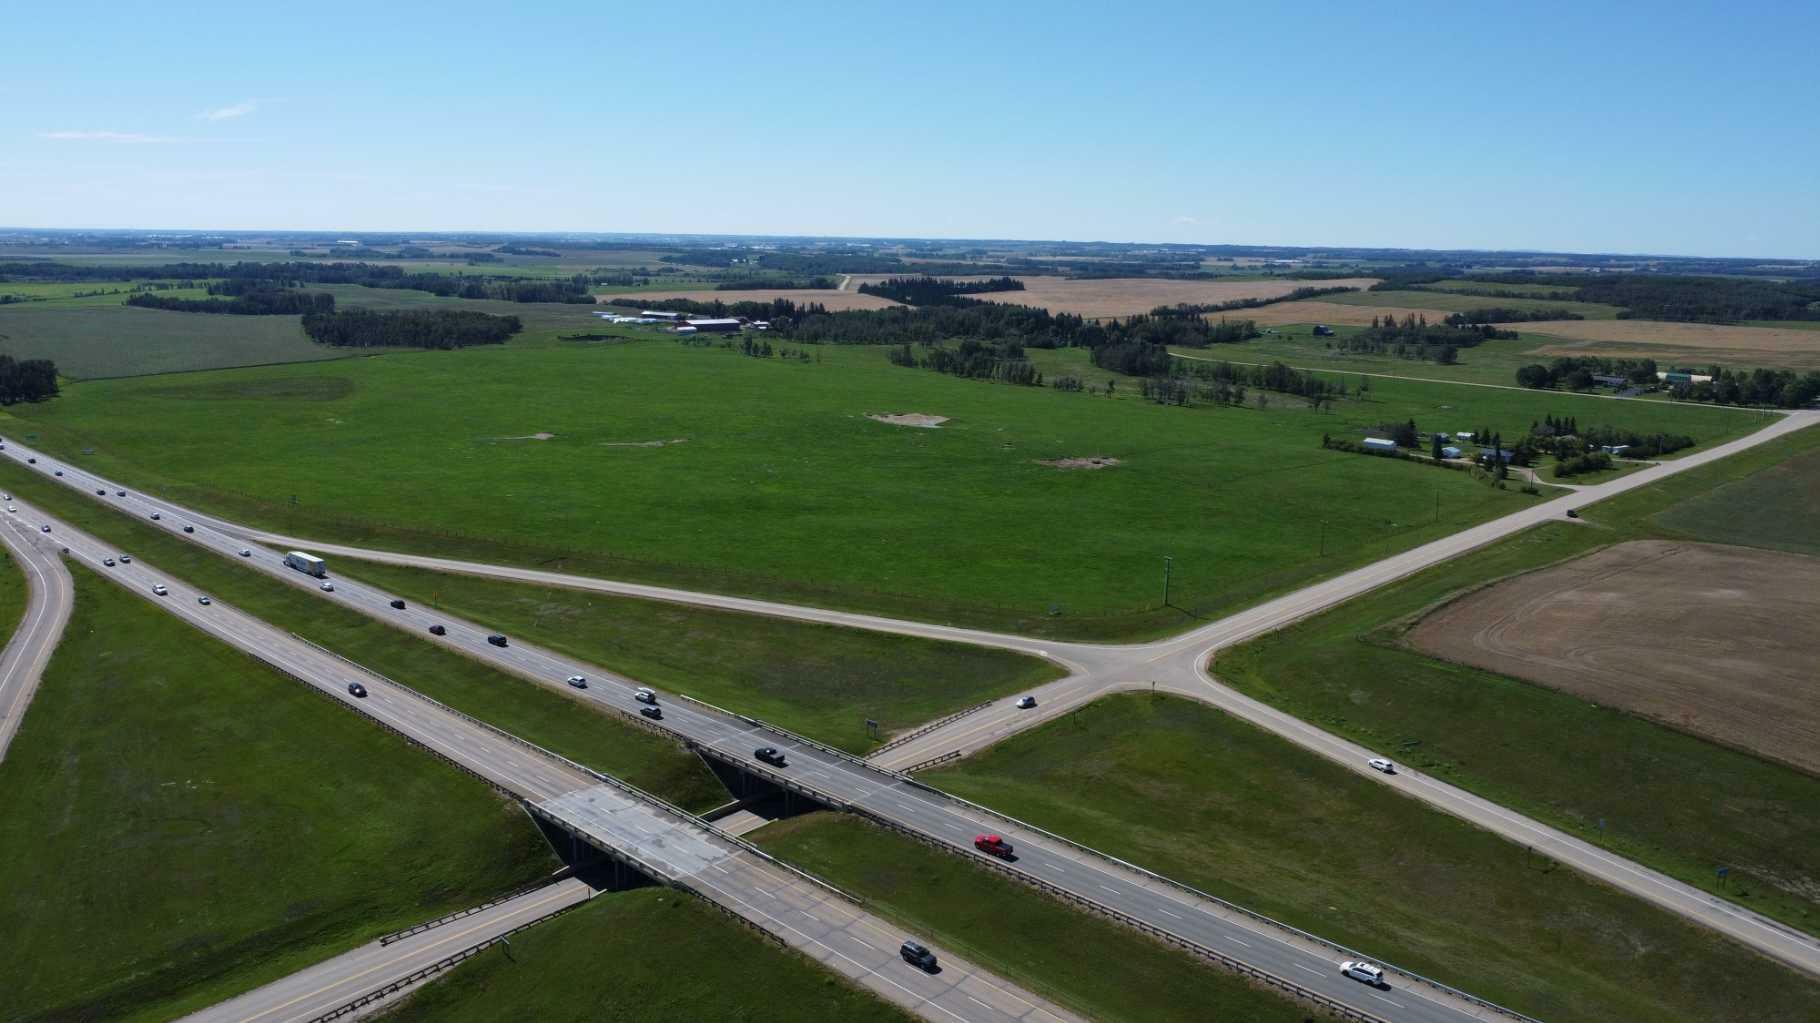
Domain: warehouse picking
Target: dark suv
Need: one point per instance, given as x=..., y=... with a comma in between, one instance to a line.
x=496, y=639
x=918, y=956
x=770, y=755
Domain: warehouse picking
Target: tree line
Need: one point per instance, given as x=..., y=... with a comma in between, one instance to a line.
x=26, y=380
x=926, y=290
x=1203, y=308
x=1782, y=388
x=1576, y=373
x=976, y=360
x=254, y=302
x=409, y=328
x=1646, y=296
x=1499, y=314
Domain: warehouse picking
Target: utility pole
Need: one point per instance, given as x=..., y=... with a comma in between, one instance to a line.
x=1168, y=563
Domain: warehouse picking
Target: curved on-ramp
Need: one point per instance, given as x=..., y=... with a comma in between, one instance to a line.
x=49, y=596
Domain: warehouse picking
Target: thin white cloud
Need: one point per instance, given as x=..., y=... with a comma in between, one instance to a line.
x=121, y=137
x=240, y=109
x=1187, y=220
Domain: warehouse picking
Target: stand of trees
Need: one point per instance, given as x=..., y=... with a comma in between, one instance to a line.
x=411, y=328
x=1201, y=309
x=1498, y=314
x=1779, y=387
x=249, y=302
x=26, y=380
x=1138, y=359
x=926, y=290
x=975, y=360
x=1415, y=338
x=1274, y=377
x=1576, y=373
x=786, y=283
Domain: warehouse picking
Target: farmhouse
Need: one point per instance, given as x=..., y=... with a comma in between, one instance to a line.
x=716, y=326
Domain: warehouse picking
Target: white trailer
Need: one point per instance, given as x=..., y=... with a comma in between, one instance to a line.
x=308, y=564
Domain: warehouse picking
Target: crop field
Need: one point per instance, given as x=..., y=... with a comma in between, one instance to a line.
x=1180, y=788
x=650, y=954
x=704, y=468
x=1129, y=296
x=1696, y=344
x=971, y=909
x=829, y=298
x=1668, y=799
x=179, y=823
x=1462, y=303
x=88, y=341
x=1714, y=640
x=1775, y=508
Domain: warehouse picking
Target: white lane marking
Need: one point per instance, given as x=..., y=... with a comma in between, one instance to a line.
x=1240, y=941
x=1388, y=1001
x=1104, y=888
x=1305, y=969
x=1165, y=912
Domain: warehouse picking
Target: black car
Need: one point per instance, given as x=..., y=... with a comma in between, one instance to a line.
x=119, y=493
x=357, y=690
x=32, y=461
x=398, y=604
x=101, y=493
x=496, y=639
x=654, y=713
x=918, y=956
x=437, y=630
x=769, y=755
x=189, y=529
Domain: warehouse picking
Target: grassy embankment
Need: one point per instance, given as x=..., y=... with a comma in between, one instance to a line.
x=1680, y=804
x=179, y=823
x=671, y=958
x=706, y=469
x=819, y=680
x=540, y=715
x=1096, y=967
x=1212, y=801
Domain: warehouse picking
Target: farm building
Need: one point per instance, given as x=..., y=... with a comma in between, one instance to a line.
x=1465, y=435
x=1614, y=449
x=1609, y=380
x=1380, y=444
x=1501, y=454
x=656, y=314
x=718, y=326
x=1675, y=376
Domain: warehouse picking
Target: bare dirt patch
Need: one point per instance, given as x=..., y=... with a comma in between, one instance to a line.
x=1090, y=462
x=1333, y=313
x=1714, y=640
x=1128, y=296
x=918, y=419
x=1698, y=343
x=643, y=443
x=529, y=436
x=832, y=299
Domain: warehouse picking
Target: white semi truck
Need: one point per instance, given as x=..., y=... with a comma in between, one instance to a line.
x=308, y=564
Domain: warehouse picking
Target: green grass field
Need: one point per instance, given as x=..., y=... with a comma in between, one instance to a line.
x=822, y=681
x=179, y=823
x=567, y=726
x=1494, y=362
x=1669, y=800
x=1775, y=508
x=647, y=954
x=1099, y=969
x=95, y=338
x=1454, y=303
x=770, y=479
x=1185, y=790
x=1466, y=284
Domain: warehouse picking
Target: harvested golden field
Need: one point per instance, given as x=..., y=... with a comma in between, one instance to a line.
x=1332, y=313
x=1698, y=343
x=833, y=300
x=1129, y=296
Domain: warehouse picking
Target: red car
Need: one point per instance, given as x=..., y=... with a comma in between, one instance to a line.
x=992, y=845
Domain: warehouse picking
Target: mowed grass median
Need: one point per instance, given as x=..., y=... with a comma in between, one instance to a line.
x=1187, y=791
x=1100, y=969
x=566, y=726
x=703, y=468
x=648, y=954
x=179, y=822
x=820, y=680
x=1680, y=804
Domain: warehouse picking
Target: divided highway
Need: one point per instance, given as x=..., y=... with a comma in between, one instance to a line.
x=662, y=842
x=1293, y=959
x=49, y=595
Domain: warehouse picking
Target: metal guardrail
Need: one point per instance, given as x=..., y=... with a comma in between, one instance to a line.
x=387, y=939
x=792, y=736
x=1340, y=1009
x=1199, y=894
x=915, y=734
x=924, y=765
x=605, y=779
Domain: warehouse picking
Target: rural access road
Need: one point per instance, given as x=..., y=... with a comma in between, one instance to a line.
x=1299, y=962
x=50, y=593
x=662, y=842
x=1179, y=665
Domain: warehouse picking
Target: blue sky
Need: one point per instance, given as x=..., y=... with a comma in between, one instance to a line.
x=1670, y=128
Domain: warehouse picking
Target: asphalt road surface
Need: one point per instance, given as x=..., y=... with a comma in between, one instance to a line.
x=49, y=593
x=665, y=845
x=833, y=777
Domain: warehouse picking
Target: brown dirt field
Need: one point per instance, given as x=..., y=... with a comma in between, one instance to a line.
x=1333, y=313
x=1129, y=296
x=1714, y=640
x=1692, y=342
x=835, y=301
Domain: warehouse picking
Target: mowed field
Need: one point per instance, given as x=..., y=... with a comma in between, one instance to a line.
x=1698, y=344
x=90, y=338
x=1129, y=296
x=1714, y=640
x=771, y=479
x=831, y=299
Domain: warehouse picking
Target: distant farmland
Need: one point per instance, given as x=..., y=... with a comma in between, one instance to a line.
x=90, y=341
x=834, y=301
x=1128, y=296
x=1335, y=313
x=1696, y=343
